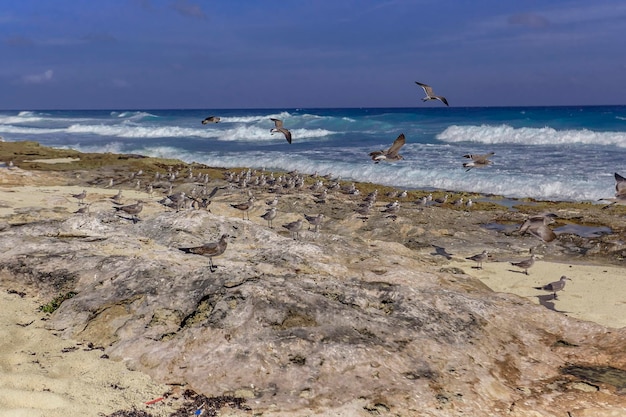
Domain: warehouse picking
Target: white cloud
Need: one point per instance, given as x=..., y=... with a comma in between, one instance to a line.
x=38, y=78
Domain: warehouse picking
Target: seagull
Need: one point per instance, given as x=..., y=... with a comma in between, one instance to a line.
x=315, y=220
x=429, y=94
x=211, y=119
x=555, y=286
x=390, y=154
x=269, y=216
x=620, y=192
x=80, y=197
x=132, y=209
x=477, y=161
x=210, y=250
x=479, y=258
x=244, y=207
x=538, y=226
x=294, y=228
x=526, y=263
x=278, y=127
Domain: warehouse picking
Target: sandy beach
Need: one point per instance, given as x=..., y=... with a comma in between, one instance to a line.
x=42, y=374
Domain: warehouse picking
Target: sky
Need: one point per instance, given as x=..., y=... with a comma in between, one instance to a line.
x=204, y=54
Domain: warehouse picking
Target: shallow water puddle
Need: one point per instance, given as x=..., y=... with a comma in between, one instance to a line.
x=584, y=231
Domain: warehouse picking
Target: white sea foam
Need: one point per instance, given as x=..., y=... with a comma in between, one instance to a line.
x=505, y=134
x=132, y=114
x=255, y=119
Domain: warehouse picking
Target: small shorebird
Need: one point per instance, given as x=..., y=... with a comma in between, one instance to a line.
x=209, y=250
x=430, y=95
x=555, y=286
x=294, y=228
x=526, y=263
x=538, y=226
x=479, y=258
x=211, y=119
x=132, y=209
x=269, y=216
x=620, y=192
x=390, y=154
x=278, y=127
x=477, y=161
x=80, y=197
x=315, y=220
x=244, y=207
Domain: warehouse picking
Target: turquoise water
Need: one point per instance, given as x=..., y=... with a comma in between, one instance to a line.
x=554, y=153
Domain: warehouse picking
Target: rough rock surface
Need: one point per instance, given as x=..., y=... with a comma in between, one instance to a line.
x=353, y=320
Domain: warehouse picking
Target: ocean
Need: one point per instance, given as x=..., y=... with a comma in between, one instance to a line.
x=546, y=153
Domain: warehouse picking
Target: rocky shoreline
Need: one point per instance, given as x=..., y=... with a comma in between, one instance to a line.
x=378, y=312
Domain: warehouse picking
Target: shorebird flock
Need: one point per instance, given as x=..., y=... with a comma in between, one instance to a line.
x=193, y=193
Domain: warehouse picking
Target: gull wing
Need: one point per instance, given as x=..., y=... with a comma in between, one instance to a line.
x=397, y=144
x=427, y=89
x=277, y=122
x=620, y=185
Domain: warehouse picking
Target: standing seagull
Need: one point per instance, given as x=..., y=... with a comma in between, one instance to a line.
x=390, y=154
x=526, y=263
x=269, y=216
x=80, y=197
x=278, y=127
x=315, y=220
x=555, y=286
x=294, y=228
x=132, y=209
x=211, y=119
x=210, y=250
x=479, y=258
x=244, y=207
x=429, y=94
x=477, y=161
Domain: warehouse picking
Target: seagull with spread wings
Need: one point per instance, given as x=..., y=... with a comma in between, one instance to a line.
x=390, y=154
x=278, y=127
x=430, y=95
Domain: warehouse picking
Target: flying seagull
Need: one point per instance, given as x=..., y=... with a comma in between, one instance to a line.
x=538, y=226
x=390, y=154
x=211, y=119
x=620, y=192
x=278, y=127
x=429, y=94
x=477, y=160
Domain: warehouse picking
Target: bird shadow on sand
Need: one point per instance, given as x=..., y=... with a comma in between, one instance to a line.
x=548, y=302
x=517, y=272
x=439, y=251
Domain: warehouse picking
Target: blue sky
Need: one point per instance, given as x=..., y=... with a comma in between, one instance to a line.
x=143, y=54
